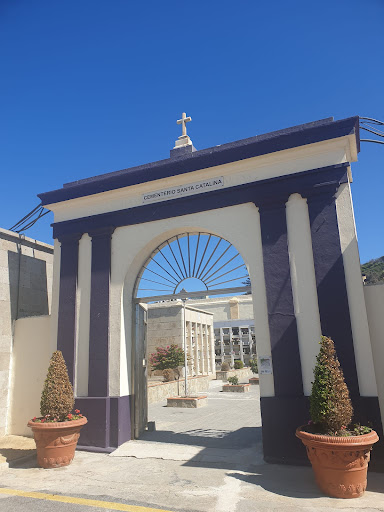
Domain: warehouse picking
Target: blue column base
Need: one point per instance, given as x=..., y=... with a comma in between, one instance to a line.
x=109, y=422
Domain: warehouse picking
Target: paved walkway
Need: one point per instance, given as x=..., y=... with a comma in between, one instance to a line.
x=97, y=482
x=228, y=429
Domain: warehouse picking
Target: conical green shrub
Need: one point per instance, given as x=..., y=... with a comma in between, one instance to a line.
x=57, y=398
x=330, y=404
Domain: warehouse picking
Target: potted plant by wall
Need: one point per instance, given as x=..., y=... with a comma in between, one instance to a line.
x=338, y=451
x=255, y=369
x=238, y=365
x=57, y=430
x=169, y=360
x=234, y=385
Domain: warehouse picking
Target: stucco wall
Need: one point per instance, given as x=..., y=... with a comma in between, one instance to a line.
x=374, y=298
x=31, y=355
x=25, y=291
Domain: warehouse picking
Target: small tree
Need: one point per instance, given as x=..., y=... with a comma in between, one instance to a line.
x=170, y=357
x=234, y=381
x=253, y=365
x=330, y=404
x=238, y=364
x=57, y=398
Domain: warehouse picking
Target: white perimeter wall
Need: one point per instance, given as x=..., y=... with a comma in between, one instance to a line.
x=374, y=297
x=31, y=356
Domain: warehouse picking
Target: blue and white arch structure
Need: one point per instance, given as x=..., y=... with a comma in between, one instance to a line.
x=283, y=200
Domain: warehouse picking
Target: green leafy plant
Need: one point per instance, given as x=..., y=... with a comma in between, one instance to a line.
x=233, y=380
x=225, y=367
x=330, y=405
x=170, y=357
x=57, y=398
x=253, y=365
x=238, y=364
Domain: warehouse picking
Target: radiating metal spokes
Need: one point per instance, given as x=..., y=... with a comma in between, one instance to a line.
x=192, y=262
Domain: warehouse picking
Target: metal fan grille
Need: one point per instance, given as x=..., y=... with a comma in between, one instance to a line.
x=198, y=261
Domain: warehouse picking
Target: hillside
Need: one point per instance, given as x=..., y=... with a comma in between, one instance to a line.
x=373, y=270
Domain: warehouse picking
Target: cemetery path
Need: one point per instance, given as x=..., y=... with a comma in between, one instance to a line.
x=227, y=429
x=217, y=467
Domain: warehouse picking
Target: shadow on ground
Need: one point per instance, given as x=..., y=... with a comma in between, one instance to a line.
x=11, y=455
x=209, y=438
x=293, y=481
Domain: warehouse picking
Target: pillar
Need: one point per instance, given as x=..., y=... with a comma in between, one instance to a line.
x=330, y=281
x=99, y=317
x=66, y=326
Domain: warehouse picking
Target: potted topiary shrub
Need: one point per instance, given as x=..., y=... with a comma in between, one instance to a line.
x=238, y=364
x=57, y=430
x=339, y=453
x=225, y=367
x=255, y=369
x=234, y=385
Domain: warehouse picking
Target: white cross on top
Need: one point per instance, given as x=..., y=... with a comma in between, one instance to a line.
x=184, y=119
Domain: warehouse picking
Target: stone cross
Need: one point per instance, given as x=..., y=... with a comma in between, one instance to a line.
x=183, y=121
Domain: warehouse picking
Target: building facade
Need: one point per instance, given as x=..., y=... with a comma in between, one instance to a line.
x=234, y=328
x=165, y=322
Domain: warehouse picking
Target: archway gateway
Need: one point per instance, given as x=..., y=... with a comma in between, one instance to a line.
x=283, y=200
x=186, y=266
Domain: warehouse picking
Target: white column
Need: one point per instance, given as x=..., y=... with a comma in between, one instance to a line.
x=222, y=349
x=241, y=346
x=197, y=362
x=83, y=315
x=260, y=309
x=303, y=286
x=55, y=295
x=207, y=352
x=231, y=349
x=355, y=292
x=213, y=352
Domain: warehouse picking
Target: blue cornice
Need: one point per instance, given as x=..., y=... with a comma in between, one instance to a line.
x=272, y=142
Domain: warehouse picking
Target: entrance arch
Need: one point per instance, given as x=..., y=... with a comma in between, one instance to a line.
x=106, y=227
x=134, y=246
x=188, y=265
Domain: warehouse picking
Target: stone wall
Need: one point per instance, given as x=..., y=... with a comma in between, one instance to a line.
x=242, y=373
x=25, y=291
x=158, y=391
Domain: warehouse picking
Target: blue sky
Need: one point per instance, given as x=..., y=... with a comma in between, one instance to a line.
x=95, y=86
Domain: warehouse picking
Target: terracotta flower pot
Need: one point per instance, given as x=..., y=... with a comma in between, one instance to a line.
x=56, y=442
x=340, y=464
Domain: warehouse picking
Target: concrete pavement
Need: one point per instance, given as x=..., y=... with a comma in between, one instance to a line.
x=188, y=483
